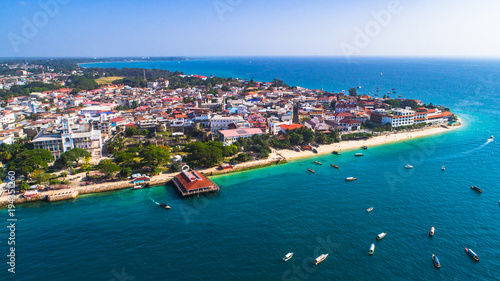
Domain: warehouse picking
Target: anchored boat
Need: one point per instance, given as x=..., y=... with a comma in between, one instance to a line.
x=476, y=189
x=320, y=258
x=372, y=249
x=431, y=232
x=408, y=166
x=381, y=235
x=358, y=154
x=364, y=147
x=288, y=256
x=317, y=162
x=336, y=152
x=335, y=166
x=369, y=209
x=350, y=179
x=442, y=168
x=472, y=254
x=436, y=262
x=311, y=170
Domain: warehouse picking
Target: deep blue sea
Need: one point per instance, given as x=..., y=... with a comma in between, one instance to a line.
x=243, y=232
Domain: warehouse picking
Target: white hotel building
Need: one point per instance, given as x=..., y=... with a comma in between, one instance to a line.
x=400, y=117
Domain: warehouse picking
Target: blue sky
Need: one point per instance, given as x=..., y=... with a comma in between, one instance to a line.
x=249, y=28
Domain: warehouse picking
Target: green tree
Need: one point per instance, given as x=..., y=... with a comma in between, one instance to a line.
x=125, y=173
x=295, y=138
x=74, y=155
x=154, y=156
x=131, y=131
x=30, y=160
x=23, y=186
x=109, y=169
x=174, y=167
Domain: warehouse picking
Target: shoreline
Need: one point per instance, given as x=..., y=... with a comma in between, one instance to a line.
x=277, y=157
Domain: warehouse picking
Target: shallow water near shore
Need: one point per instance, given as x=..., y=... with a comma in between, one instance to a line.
x=258, y=216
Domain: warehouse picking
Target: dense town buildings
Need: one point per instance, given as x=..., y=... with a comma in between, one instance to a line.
x=59, y=120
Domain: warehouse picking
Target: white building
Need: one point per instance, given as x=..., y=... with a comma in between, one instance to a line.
x=230, y=136
x=7, y=140
x=222, y=123
x=274, y=125
x=92, y=110
x=62, y=138
x=400, y=117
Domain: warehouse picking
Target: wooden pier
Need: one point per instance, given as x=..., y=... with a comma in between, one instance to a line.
x=193, y=183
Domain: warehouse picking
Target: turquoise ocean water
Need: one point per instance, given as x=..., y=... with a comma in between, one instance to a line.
x=243, y=232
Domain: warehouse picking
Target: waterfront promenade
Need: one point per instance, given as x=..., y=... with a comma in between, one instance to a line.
x=274, y=157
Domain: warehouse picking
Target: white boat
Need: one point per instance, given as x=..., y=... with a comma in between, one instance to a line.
x=320, y=258
x=288, y=256
x=492, y=138
x=350, y=179
x=372, y=249
x=358, y=154
x=408, y=166
x=381, y=235
x=369, y=209
x=137, y=187
x=442, y=168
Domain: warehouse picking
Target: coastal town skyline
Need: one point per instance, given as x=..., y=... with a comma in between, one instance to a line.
x=57, y=28
x=249, y=140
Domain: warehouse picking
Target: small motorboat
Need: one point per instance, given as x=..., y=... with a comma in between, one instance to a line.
x=476, y=189
x=372, y=249
x=350, y=179
x=136, y=187
x=320, y=258
x=311, y=170
x=472, y=254
x=431, y=232
x=163, y=205
x=381, y=235
x=335, y=166
x=317, y=162
x=492, y=138
x=336, y=152
x=442, y=168
x=435, y=260
x=358, y=154
x=369, y=209
x=364, y=147
x=408, y=166
x=288, y=256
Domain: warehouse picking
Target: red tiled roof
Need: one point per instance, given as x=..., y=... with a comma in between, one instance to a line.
x=193, y=180
x=291, y=127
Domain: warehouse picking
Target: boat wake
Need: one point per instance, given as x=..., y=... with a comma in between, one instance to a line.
x=157, y=203
x=470, y=150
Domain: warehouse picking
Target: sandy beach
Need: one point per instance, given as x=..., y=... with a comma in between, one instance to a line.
x=274, y=157
x=375, y=141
